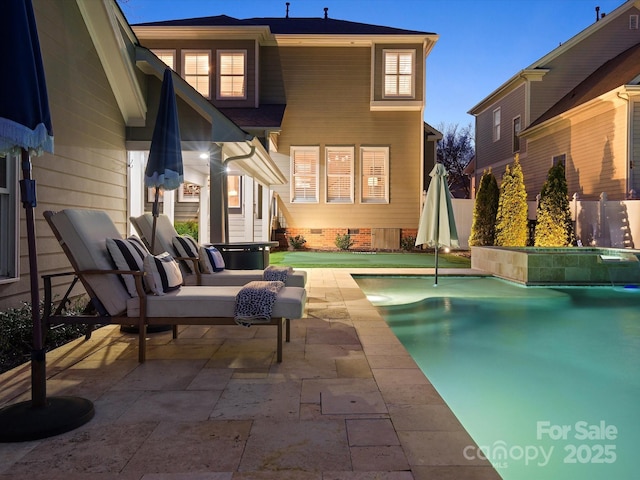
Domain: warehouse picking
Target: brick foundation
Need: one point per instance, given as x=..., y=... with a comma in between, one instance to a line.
x=325, y=238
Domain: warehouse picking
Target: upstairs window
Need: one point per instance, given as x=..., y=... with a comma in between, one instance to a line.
x=496, y=125
x=304, y=174
x=232, y=74
x=399, y=73
x=339, y=174
x=167, y=56
x=375, y=174
x=196, y=71
x=516, y=134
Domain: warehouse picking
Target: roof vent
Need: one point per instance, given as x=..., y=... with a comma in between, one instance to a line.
x=287, y=4
x=326, y=12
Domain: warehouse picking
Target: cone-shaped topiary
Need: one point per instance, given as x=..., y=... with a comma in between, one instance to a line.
x=554, y=228
x=483, y=228
x=511, y=220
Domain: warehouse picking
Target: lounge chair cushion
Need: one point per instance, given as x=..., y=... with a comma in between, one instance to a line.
x=206, y=302
x=162, y=273
x=211, y=260
x=128, y=254
x=186, y=247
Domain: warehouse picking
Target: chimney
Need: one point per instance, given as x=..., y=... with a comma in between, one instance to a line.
x=597, y=13
x=326, y=12
x=287, y=4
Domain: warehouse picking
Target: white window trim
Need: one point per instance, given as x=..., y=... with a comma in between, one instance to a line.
x=192, y=52
x=316, y=151
x=10, y=225
x=555, y=159
x=351, y=151
x=219, y=53
x=165, y=52
x=513, y=123
x=367, y=200
x=495, y=127
x=413, y=73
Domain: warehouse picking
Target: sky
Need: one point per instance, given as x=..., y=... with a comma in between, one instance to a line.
x=481, y=45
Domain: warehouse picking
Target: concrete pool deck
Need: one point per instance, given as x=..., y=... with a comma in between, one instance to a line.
x=347, y=403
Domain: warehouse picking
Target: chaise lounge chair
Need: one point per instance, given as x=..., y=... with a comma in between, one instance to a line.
x=166, y=236
x=83, y=236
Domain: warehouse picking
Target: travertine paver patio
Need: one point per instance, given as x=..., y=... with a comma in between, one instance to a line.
x=347, y=403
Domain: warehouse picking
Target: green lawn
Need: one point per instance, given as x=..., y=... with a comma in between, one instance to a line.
x=302, y=259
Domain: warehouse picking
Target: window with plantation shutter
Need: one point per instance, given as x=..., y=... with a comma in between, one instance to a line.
x=232, y=74
x=196, y=71
x=375, y=174
x=399, y=73
x=167, y=56
x=304, y=174
x=339, y=174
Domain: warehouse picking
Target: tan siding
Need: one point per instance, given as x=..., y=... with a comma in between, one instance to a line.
x=577, y=63
x=498, y=154
x=596, y=155
x=89, y=166
x=320, y=83
x=271, y=81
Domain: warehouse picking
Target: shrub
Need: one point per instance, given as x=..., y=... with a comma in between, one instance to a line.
x=408, y=243
x=554, y=228
x=344, y=242
x=190, y=227
x=16, y=336
x=297, y=242
x=512, y=218
x=485, y=209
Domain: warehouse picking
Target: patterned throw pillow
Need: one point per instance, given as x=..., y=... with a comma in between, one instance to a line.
x=128, y=254
x=186, y=247
x=162, y=273
x=211, y=260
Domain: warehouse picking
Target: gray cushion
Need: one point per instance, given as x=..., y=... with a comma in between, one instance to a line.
x=298, y=278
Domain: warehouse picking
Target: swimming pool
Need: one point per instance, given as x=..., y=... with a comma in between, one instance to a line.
x=546, y=380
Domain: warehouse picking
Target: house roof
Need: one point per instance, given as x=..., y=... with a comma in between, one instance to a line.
x=288, y=25
x=537, y=69
x=620, y=70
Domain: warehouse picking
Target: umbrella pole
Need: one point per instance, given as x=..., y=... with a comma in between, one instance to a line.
x=38, y=366
x=436, y=275
x=155, y=212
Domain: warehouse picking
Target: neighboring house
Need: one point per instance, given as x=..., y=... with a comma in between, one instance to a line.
x=579, y=105
x=338, y=105
x=103, y=92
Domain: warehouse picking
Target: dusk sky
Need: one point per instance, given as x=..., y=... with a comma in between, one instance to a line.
x=482, y=43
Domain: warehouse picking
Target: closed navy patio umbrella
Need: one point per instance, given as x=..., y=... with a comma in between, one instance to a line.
x=25, y=130
x=437, y=227
x=164, y=167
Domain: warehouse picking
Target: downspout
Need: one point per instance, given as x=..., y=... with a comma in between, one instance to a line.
x=225, y=187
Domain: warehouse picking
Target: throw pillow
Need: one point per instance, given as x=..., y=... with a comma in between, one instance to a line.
x=186, y=247
x=128, y=254
x=162, y=273
x=211, y=260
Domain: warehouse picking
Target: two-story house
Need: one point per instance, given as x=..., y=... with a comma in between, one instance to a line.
x=579, y=105
x=338, y=105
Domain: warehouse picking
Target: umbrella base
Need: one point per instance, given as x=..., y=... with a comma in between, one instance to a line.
x=22, y=422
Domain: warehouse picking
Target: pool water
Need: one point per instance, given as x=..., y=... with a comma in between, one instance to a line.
x=546, y=380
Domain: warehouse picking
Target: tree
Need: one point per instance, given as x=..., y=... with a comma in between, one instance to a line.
x=554, y=228
x=512, y=217
x=455, y=150
x=485, y=209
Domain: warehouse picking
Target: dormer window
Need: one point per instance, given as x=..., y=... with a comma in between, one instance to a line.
x=232, y=74
x=399, y=73
x=196, y=70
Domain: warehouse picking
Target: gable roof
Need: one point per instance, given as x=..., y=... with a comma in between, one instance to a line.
x=537, y=68
x=289, y=25
x=620, y=70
